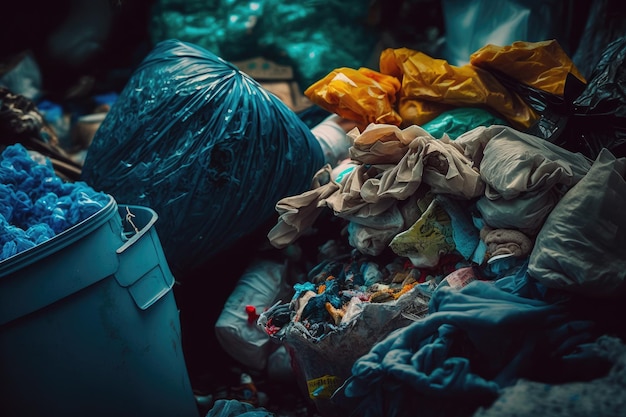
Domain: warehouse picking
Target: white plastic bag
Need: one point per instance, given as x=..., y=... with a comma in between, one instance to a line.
x=582, y=245
x=260, y=286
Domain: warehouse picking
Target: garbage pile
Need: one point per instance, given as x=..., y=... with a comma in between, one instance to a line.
x=457, y=251
x=504, y=235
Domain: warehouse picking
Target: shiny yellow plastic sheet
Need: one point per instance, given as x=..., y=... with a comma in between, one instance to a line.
x=418, y=112
x=413, y=88
x=364, y=95
x=543, y=65
x=435, y=80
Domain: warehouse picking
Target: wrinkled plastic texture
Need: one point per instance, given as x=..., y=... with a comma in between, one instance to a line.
x=205, y=146
x=35, y=204
x=312, y=37
x=588, y=116
x=364, y=95
x=542, y=65
x=581, y=247
x=260, y=286
x=599, y=119
x=542, y=74
x=605, y=92
x=457, y=121
x=429, y=79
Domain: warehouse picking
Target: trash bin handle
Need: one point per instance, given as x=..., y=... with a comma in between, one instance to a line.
x=138, y=232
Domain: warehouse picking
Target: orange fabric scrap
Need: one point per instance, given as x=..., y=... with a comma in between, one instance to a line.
x=405, y=288
x=336, y=313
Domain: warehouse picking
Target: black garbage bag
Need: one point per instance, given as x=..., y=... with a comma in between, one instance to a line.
x=205, y=146
x=599, y=113
x=588, y=116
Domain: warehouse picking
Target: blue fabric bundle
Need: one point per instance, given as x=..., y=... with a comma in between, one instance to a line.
x=474, y=342
x=35, y=204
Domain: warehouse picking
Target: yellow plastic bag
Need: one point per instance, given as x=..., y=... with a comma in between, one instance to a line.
x=543, y=65
x=364, y=95
x=418, y=112
x=430, y=79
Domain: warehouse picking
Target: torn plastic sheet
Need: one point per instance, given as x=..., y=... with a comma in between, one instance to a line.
x=324, y=363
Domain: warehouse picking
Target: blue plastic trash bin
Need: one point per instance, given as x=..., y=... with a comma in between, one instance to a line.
x=89, y=325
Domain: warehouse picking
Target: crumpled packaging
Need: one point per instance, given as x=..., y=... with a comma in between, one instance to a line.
x=412, y=88
x=428, y=79
x=543, y=65
x=382, y=143
x=439, y=163
x=364, y=95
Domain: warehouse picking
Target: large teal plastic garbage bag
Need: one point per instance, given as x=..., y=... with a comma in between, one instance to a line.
x=205, y=146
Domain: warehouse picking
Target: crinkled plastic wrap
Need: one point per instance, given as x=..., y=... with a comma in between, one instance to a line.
x=430, y=87
x=581, y=247
x=599, y=119
x=429, y=79
x=362, y=95
x=205, y=146
x=543, y=65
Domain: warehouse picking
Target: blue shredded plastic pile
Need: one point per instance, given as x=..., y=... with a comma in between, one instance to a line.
x=35, y=204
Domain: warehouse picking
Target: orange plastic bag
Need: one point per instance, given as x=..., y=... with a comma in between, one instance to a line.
x=543, y=65
x=430, y=79
x=364, y=95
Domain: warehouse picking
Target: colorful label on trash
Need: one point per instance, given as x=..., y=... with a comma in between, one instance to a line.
x=323, y=387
